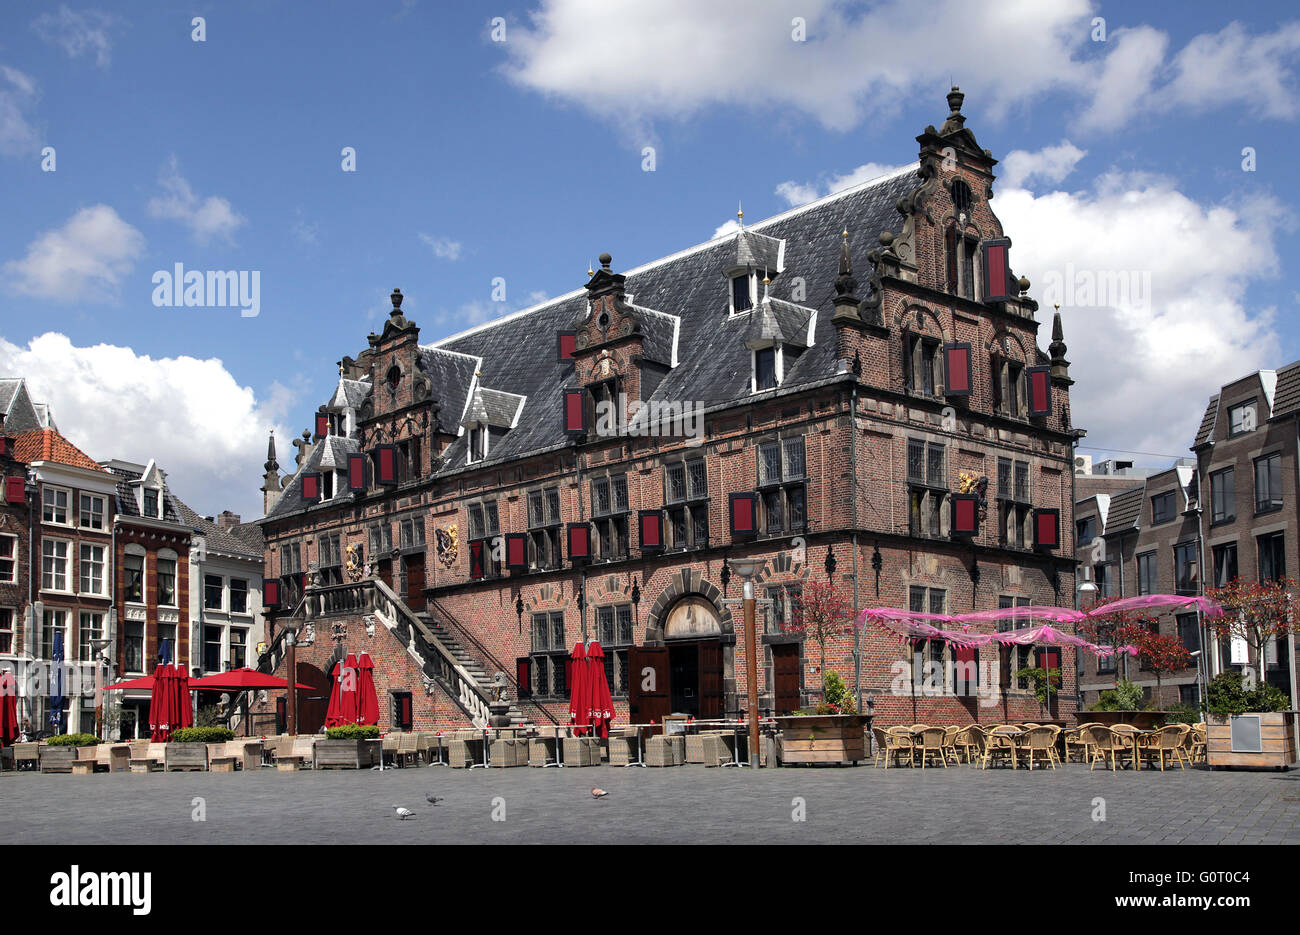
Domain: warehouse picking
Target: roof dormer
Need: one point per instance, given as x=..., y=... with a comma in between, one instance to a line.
x=489, y=414
x=151, y=492
x=777, y=334
x=752, y=258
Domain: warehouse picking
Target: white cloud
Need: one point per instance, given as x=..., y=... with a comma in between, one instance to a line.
x=741, y=54
x=84, y=260
x=306, y=231
x=442, y=247
x=726, y=228
x=1051, y=164
x=78, y=33
x=17, y=95
x=800, y=193
x=191, y=416
x=1184, y=325
x=208, y=219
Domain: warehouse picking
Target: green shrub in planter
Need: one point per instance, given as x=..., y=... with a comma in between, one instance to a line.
x=202, y=735
x=73, y=740
x=1125, y=696
x=1227, y=695
x=1182, y=714
x=352, y=732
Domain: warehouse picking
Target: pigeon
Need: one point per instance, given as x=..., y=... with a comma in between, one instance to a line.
x=403, y=813
x=433, y=799
x=598, y=793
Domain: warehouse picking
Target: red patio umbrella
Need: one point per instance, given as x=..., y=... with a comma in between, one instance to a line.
x=367, y=700
x=236, y=680
x=146, y=682
x=600, y=704
x=182, y=709
x=349, y=679
x=579, y=709
x=8, y=708
x=334, y=713
x=161, y=705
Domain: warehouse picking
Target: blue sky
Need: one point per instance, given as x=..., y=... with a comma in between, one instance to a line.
x=523, y=159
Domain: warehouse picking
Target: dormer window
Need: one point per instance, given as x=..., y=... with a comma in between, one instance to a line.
x=477, y=448
x=765, y=377
x=150, y=507
x=743, y=287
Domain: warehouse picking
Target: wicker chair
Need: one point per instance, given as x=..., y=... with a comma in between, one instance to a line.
x=950, y=743
x=973, y=739
x=903, y=742
x=930, y=744
x=1077, y=740
x=1106, y=743
x=1040, y=743
x=1166, y=743
x=1195, y=742
x=1000, y=743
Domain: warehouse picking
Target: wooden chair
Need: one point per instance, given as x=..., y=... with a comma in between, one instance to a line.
x=1166, y=743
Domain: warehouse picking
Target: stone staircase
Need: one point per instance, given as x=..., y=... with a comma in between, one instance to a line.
x=447, y=636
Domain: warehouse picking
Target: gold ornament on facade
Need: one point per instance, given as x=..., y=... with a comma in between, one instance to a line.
x=448, y=548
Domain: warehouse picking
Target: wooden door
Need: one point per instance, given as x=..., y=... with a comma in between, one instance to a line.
x=385, y=570
x=785, y=676
x=647, y=672
x=314, y=700
x=711, y=679
x=414, y=581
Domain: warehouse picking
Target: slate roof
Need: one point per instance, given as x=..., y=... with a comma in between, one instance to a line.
x=331, y=451
x=1125, y=508
x=1286, y=399
x=354, y=392
x=451, y=373
x=244, y=540
x=1206, y=431
x=49, y=445
x=126, y=505
x=661, y=331
x=778, y=320
x=21, y=414
x=757, y=251
x=493, y=407
x=713, y=363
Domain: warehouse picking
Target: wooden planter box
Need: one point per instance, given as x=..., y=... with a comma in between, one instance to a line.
x=60, y=759
x=1264, y=739
x=347, y=754
x=823, y=738
x=186, y=756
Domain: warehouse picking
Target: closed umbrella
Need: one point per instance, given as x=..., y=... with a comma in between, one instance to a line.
x=601, y=704
x=367, y=700
x=183, y=708
x=334, y=713
x=57, y=697
x=161, y=702
x=8, y=708
x=348, y=690
x=579, y=709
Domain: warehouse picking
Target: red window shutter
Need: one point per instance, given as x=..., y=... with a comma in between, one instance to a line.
x=1049, y=659
x=311, y=487
x=270, y=592
x=956, y=368
x=387, y=456
x=476, y=559
x=1040, y=390
x=524, y=676
x=997, y=270
x=322, y=424
x=967, y=674
x=356, y=472
x=651, y=523
x=579, y=542
x=516, y=550
x=1047, y=529
x=965, y=515
x=15, y=489
x=575, y=411
x=404, y=711
x=744, y=514
x=566, y=344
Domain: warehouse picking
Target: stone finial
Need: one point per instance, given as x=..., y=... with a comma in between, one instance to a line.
x=271, y=463
x=1060, y=366
x=955, y=119
x=605, y=260
x=397, y=301
x=845, y=283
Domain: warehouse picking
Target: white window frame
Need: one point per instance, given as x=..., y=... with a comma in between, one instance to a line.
x=13, y=557
x=98, y=630
x=778, y=365
x=471, y=456
x=162, y=506
x=222, y=607
x=103, y=569
x=134, y=549
x=67, y=507
x=11, y=628
x=56, y=613
x=731, y=295
x=168, y=555
x=103, y=511
x=67, y=565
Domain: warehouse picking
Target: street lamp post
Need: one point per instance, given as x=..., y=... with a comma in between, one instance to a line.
x=747, y=568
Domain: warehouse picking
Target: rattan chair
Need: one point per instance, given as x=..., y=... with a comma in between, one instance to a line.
x=903, y=742
x=1166, y=743
x=950, y=743
x=1106, y=743
x=1195, y=742
x=976, y=738
x=1077, y=740
x=930, y=744
x=1000, y=743
x=1040, y=743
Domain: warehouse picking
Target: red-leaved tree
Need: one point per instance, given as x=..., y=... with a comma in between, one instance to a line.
x=821, y=613
x=1257, y=612
x=1164, y=654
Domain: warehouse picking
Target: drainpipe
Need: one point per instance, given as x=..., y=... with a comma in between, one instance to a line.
x=853, y=473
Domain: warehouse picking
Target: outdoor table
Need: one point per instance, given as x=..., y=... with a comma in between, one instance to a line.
x=640, y=753
x=437, y=746
x=485, y=742
x=1136, y=738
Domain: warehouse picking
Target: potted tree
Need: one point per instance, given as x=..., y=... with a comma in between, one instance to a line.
x=62, y=750
x=1251, y=725
x=833, y=732
x=1124, y=703
x=349, y=746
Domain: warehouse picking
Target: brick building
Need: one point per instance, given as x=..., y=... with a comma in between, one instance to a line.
x=1232, y=511
x=809, y=390
x=15, y=543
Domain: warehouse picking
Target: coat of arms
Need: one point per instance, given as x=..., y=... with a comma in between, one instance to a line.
x=447, y=547
x=354, y=563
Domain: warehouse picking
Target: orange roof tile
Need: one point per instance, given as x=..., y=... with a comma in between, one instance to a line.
x=49, y=445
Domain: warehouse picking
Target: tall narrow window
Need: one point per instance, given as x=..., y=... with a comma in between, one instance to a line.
x=1223, y=496
x=764, y=368
x=741, y=298
x=1268, y=483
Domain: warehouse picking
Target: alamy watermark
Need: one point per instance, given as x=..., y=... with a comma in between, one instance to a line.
x=179, y=288
x=1089, y=288
x=655, y=418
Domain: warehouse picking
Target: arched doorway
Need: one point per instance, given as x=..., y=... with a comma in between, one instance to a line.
x=693, y=632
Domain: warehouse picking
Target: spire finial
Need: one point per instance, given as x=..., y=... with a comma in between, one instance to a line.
x=766, y=282
x=590, y=271
x=740, y=215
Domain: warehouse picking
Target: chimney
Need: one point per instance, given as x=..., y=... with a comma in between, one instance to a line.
x=227, y=519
